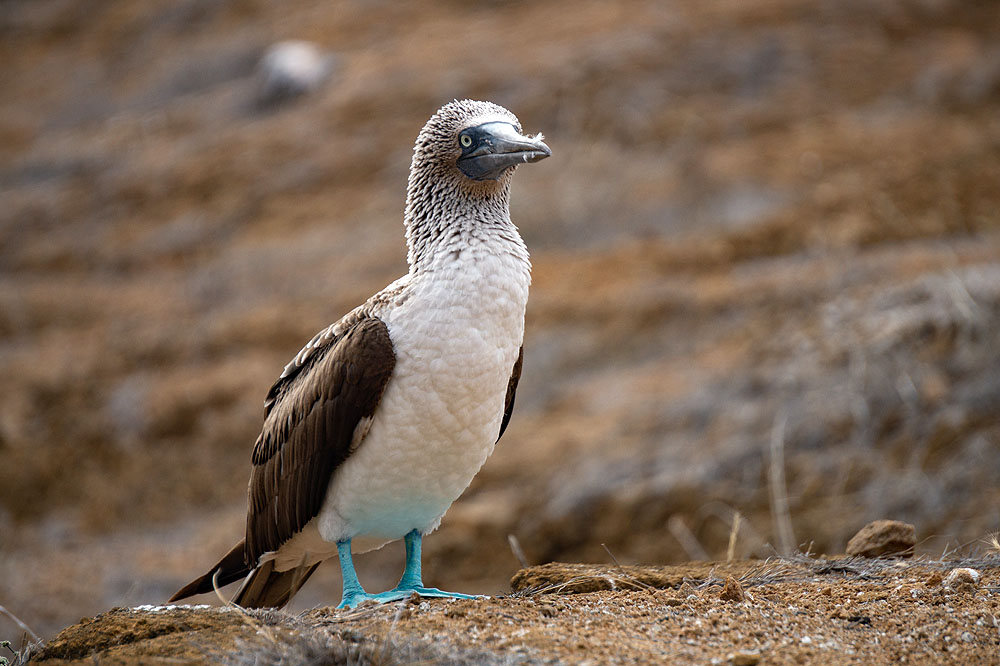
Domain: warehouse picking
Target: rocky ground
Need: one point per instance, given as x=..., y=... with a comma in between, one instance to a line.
x=798, y=611
x=766, y=277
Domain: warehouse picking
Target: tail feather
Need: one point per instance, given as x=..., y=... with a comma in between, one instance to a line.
x=262, y=588
x=267, y=588
x=230, y=568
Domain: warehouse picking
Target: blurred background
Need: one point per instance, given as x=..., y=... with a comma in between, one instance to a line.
x=766, y=273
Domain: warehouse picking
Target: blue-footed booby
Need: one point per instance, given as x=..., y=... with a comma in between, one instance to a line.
x=382, y=420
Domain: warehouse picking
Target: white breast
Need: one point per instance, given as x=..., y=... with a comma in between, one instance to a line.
x=456, y=338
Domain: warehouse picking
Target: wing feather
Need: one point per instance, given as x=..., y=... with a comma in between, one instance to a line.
x=313, y=411
x=515, y=377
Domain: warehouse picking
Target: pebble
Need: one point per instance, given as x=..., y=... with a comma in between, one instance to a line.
x=732, y=590
x=290, y=69
x=744, y=658
x=547, y=610
x=962, y=577
x=883, y=537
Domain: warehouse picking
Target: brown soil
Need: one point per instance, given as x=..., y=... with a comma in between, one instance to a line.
x=801, y=611
x=766, y=276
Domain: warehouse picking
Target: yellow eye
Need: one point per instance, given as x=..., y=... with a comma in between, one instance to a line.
x=465, y=140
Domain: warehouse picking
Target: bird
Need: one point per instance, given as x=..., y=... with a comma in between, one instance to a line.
x=382, y=420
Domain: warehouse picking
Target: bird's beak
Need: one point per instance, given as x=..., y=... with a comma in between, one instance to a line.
x=500, y=147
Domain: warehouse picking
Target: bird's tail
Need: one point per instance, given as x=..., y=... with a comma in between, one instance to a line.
x=267, y=588
x=262, y=588
x=230, y=569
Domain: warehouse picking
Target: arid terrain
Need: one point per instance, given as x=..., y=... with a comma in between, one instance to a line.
x=798, y=611
x=766, y=258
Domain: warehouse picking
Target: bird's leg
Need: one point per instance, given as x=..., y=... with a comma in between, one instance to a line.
x=412, y=577
x=412, y=581
x=353, y=593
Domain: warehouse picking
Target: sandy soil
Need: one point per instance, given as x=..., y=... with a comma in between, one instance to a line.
x=766, y=276
x=801, y=611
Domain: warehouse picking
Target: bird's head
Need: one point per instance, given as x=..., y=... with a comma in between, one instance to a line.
x=475, y=145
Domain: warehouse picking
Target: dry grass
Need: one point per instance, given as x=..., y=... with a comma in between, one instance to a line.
x=780, y=514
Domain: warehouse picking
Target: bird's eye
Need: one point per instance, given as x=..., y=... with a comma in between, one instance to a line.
x=465, y=140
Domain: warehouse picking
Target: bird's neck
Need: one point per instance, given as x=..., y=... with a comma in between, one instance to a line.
x=443, y=218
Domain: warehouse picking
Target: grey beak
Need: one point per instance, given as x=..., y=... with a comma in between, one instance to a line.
x=497, y=147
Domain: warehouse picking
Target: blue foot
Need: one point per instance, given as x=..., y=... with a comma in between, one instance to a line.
x=353, y=600
x=410, y=584
x=434, y=592
x=398, y=594
x=430, y=592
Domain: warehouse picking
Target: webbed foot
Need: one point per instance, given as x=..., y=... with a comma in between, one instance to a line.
x=399, y=593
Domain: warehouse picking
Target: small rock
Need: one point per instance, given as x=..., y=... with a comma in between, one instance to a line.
x=744, y=658
x=547, y=611
x=732, y=590
x=883, y=537
x=290, y=69
x=963, y=578
x=934, y=579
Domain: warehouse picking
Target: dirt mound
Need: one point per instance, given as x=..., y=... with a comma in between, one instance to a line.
x=798, y=611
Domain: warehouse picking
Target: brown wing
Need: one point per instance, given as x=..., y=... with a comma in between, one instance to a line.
x=312, y=415
x=515, y=376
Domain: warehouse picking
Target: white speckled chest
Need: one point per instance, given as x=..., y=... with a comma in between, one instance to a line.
x=456, y=336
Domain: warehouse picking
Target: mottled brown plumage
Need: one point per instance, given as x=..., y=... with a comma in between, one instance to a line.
x=312, y=413
x=322, y=403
